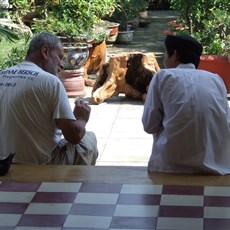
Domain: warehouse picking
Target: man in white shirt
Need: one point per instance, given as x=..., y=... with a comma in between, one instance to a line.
x=35, y=111
x=187, y=112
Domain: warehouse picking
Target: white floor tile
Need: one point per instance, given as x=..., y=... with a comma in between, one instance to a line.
x=217, y=212
x=180, y=223
x=46, y=209
x=91, y=222
x=136, y=210
x=141, y=189
x=216, y=191
x=16, y=197
x=96, y=198
x=182, y=200
x=9, y=219
x=59, y=187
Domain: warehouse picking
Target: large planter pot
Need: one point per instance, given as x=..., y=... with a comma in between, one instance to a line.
x=75, y=57
x=217, y=64
x=125, y=37
x=74, y=86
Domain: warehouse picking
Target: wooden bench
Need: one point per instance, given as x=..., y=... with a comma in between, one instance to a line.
x=107, y=174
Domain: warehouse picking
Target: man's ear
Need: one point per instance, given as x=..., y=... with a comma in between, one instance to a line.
x=176, y=55
x=175, y=58
x=45, y=51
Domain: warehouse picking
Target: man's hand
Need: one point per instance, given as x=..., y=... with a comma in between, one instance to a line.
x=82, y=110
x=74, y=130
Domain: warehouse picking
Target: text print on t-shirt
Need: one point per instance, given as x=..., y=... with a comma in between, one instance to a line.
x=11, y=74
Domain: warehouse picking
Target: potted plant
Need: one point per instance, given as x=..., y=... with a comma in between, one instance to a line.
x=123, y=13
x=75, y=21
x=77, y=25
x=141, y=7
x=74, y=18
x=209, y=22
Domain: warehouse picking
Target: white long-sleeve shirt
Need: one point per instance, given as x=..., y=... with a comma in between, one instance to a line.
x=188, y=114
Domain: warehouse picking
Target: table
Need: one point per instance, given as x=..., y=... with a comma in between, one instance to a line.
x=111, y=197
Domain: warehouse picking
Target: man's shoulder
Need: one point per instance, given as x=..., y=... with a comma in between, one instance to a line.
x=166, y=72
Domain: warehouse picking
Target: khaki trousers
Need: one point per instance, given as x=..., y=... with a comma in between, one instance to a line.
x=84, y=153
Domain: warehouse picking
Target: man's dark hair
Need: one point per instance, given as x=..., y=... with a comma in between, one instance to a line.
x=187, y=47
x=185, y=56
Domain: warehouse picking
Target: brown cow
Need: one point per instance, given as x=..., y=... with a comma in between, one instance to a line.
x=129, y=73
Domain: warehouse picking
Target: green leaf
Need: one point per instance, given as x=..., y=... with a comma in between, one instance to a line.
x=8, y=34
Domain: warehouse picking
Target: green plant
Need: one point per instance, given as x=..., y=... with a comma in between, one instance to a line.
x=20, y=8
x=125, y=11
x=208, y=21
x=74, y=18
x=17, y=53
x=7, y=30
x=140, y=5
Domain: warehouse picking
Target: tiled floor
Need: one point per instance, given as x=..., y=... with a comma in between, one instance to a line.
x=56, y=206
x=117, y=125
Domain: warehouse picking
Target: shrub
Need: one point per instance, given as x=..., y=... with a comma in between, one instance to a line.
x=208, y=21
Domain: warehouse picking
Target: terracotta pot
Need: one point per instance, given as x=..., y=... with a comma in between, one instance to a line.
x=113, y=27
x=217, y=64
x=74, y=86
x=74, y=58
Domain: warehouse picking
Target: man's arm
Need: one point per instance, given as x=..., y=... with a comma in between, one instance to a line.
x=152, y=116
x=74, y=130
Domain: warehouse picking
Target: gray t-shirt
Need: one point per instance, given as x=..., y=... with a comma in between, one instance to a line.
x=30, y=100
